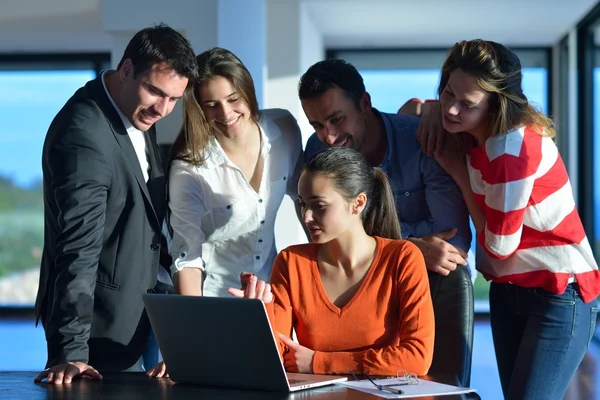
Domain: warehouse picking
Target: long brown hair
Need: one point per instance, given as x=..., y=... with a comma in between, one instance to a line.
x=351, y=175
x=497, y=71
x=196, y=132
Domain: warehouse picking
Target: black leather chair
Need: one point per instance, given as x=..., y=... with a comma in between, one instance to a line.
x=452, y=297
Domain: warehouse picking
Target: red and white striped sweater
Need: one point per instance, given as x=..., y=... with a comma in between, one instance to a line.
x=533, y=233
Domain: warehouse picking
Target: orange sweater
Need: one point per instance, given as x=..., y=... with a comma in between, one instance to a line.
x=387, y=326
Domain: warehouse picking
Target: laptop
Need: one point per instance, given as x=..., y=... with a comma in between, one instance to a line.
x=223, y=342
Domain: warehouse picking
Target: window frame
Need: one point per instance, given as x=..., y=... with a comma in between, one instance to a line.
x=587, y=51
x=95, y=61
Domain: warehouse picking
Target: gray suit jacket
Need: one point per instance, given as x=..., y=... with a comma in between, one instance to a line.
x=102, y=235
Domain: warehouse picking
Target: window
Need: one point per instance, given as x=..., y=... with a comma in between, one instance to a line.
x=589, y=126
x=561, y=118
x=32, y=93
x=393, y=76
x=595, y=140
x=595, y=170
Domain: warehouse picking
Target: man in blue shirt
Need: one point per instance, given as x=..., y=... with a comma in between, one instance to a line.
x=432, y=212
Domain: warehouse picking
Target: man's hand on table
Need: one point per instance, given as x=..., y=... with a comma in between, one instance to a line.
x=65, y=373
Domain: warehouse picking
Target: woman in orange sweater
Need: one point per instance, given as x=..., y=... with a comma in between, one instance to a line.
x=357, y=297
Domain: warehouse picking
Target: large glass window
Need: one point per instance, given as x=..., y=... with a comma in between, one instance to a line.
x=595, y=145
x=32, y=94
x=392, y=77
x=589, y=128
x=561, y=115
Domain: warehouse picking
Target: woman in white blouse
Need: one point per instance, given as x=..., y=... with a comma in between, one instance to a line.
x=230, y=168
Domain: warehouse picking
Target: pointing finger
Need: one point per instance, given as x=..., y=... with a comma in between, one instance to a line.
x=288, y=342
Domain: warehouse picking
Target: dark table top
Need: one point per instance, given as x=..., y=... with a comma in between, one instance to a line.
x=132, y=386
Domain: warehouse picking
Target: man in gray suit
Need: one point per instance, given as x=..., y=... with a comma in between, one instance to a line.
x=104, y=207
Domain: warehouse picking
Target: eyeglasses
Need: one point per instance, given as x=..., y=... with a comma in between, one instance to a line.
x=402, y=378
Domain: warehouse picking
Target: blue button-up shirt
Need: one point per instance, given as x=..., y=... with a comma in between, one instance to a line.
x=427, y=199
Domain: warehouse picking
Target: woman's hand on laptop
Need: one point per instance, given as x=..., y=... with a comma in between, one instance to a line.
x=253, y=288
x=159, y=371
x=297, y=358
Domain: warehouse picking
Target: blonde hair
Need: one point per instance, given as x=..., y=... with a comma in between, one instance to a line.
x=497, y=70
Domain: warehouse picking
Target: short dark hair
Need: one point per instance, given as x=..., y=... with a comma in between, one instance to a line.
x=328, y=74
x=161, y=44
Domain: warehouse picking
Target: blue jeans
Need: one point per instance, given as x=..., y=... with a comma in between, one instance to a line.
x=151, y=356
x=540, y=338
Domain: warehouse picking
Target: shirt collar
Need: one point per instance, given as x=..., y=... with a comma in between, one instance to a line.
x=128, y=126
x=217, y=156
x=269, y=127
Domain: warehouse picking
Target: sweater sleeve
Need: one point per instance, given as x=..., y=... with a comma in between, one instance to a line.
x=510, y=180
x=280, y=309
x=414, y=349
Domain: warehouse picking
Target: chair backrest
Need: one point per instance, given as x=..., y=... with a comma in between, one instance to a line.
x=452, y=297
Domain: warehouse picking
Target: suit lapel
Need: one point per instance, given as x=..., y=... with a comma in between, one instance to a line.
x=152, y=153
x=120, y=134
x=156, y=181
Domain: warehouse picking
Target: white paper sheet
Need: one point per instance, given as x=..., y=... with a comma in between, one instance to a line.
x=423, y=388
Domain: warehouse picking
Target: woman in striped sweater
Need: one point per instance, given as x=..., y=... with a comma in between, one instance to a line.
x=544, y=277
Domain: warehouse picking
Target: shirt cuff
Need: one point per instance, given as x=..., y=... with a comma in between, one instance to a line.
x=182, y=262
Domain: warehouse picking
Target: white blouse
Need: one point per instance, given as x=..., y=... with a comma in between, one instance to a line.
x=220, y=224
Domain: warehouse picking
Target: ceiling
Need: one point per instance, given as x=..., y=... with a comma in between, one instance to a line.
x=441, y=23
x=76, y=25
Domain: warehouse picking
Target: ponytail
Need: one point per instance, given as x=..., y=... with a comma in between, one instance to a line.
x=380, y=218
x=351, y=175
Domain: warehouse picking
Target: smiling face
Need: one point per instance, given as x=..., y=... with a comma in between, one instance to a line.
x=337, y=120
x=325, y=212
x=149, y=96
x=465, y=106
x=224, y=107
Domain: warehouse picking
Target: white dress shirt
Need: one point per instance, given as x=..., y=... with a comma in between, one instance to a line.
x=139, y=145
x=135, y=135
x=220, y=223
